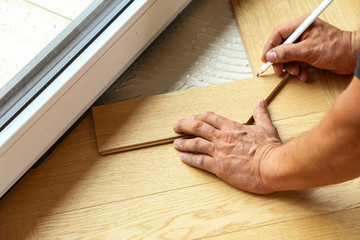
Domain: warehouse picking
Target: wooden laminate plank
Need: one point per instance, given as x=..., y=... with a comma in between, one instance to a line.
x=75, y=176
x=197, y=212
x=149, y=121
x=334, y=85
x=336, y=225
x=294, y=127
x=149, y=192
x=19, y=231
x=257, y=19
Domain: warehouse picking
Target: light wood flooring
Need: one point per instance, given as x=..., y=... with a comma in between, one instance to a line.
x=149, y=194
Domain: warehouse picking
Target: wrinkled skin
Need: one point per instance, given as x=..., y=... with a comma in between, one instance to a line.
x=321, y=46
x=234, y=152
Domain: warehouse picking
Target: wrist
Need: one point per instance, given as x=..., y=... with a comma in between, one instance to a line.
x=271, y=169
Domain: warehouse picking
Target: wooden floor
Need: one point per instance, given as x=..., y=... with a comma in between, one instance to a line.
x=149, y=194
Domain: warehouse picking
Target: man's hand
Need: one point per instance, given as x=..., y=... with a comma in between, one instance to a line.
x=321, y=45
x=236, y=153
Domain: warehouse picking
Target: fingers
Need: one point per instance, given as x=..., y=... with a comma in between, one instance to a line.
x=196, y=127
x=280, y=34
x=278, y=68
x=301, y=52
x=201, y=161
x=287, y=56
x=198, y=145
x=297, y=70
x=294, y=68
x=214, y=120
x=262, y=116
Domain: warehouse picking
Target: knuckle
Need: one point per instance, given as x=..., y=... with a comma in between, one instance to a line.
x=208, y=114
x=179, y=124
x=200, y=161
x=212, y=148
x=235, y=125
x=213, y=133
x=196, y=142
x=277, y=29
x=197, y=126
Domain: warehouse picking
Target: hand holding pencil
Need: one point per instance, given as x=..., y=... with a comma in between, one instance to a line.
x=321, y=45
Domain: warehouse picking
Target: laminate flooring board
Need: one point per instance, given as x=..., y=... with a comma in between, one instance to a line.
x=149, y=121
x=19, y=231
x=148, y=192
x=75, y=176
x=77, y=193
x=337, y=225
x=197, y=212
x=334, y=85
x=294, y=127
x=257, y=19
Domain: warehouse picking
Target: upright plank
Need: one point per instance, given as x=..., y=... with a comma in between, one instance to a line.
x=257, y=19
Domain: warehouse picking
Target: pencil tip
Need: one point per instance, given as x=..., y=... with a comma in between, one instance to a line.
x=258, y=74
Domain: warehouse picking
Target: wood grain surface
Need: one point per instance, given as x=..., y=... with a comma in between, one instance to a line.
x=76, y=193
x=336, y=225
x=255, y=27
x=19, y=231
x=149, y=194
x=196, y=212
x=149, y=121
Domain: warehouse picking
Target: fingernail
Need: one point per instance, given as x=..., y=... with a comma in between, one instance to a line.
x=176, y=124
x=271, y=57
x=177, y=143
x=192, y=117
x=183, y=156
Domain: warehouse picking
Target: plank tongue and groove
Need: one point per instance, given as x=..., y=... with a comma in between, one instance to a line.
x=149, y=121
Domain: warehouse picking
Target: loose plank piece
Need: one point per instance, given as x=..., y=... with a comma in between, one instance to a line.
x=149, y=121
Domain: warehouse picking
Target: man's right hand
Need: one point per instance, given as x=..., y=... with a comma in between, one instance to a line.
x=321, y=45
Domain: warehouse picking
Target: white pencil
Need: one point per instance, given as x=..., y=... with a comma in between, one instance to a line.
x=300, y=30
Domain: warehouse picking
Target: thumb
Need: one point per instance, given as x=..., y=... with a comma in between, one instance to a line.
x=289, y=53
x=261, y=115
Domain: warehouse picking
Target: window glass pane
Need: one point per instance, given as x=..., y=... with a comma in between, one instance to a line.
x=28, y=26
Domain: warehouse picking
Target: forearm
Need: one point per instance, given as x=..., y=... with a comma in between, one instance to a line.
x=354, y=49
x=328, y=154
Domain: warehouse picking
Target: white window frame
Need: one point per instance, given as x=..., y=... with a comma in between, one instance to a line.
x=31, y=133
